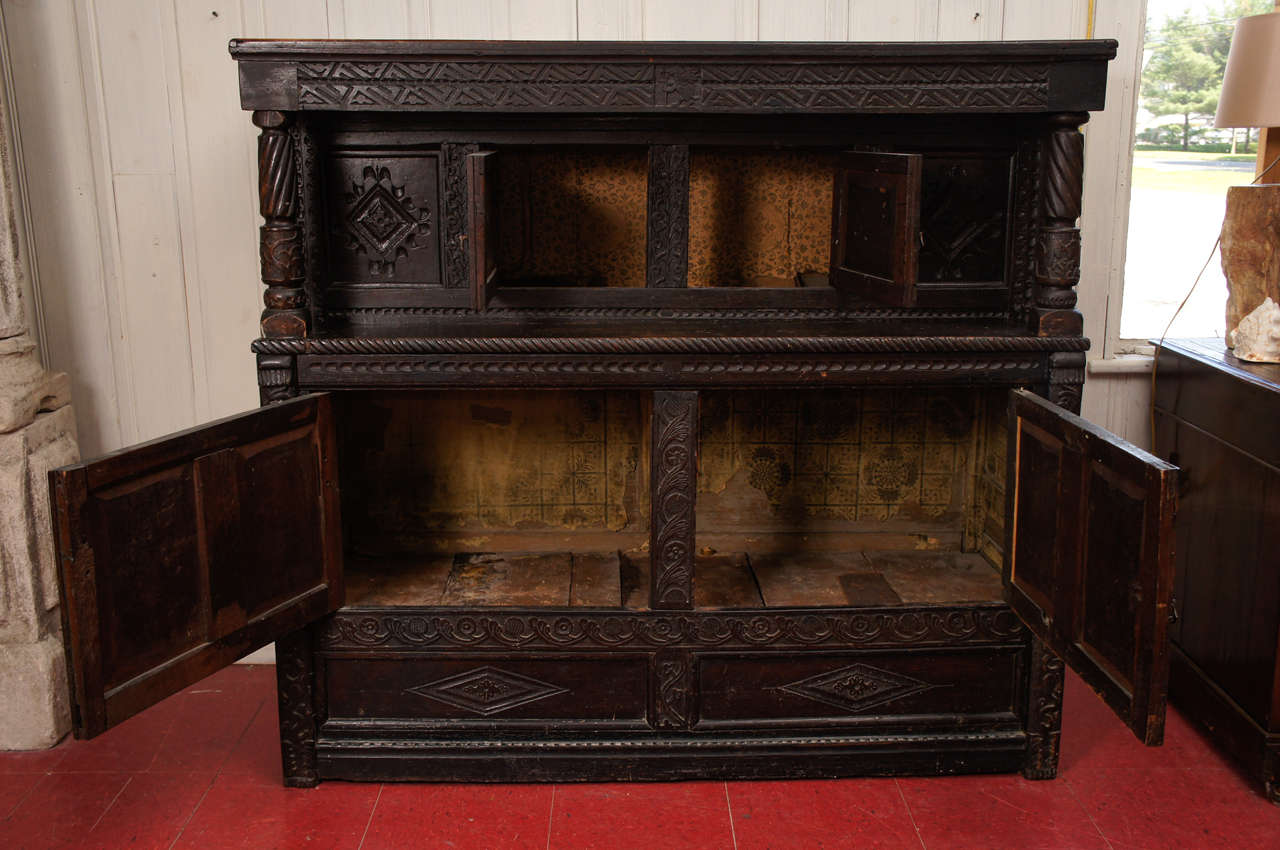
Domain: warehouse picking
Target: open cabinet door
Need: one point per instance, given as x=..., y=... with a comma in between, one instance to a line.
x=875, y=226
x=1089, y=555
x=482, y=224
x=178, y=556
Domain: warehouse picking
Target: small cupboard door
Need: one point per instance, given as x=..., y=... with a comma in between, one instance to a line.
x=178, y=556
x=875, y=226
x=482, y=224
x=1089, y=554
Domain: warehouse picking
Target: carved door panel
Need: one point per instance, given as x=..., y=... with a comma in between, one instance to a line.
x=1089, y=554
x=875, y=226
x=482, y=224
x=178, y=556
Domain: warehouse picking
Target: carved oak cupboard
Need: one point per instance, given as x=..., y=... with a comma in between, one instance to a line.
x=647, y=411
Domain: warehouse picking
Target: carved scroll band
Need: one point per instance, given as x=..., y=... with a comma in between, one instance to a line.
x=674, y=477
x=673, y=689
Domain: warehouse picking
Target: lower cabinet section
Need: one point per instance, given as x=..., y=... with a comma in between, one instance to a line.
x=430, y=696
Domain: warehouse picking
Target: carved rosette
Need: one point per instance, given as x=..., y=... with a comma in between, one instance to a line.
x=667, y=260
x=1057, y=265
x=1044, y=715
x=673, y=691
x=281, y=247
x=675, y=473
x=295, y=671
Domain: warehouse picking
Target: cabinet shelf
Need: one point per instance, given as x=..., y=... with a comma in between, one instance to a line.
x=722, y=581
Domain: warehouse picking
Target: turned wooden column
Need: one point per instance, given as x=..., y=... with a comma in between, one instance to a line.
x=281, y=250
x=1058, y=239
x=673, y=479
x=281, y=235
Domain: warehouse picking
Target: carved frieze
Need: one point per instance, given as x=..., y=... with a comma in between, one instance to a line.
x=881, y=86
x=354, y=629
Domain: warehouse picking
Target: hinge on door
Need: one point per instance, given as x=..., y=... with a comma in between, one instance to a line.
x=1173, y=610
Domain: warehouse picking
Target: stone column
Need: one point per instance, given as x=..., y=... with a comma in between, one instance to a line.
x=37, y=433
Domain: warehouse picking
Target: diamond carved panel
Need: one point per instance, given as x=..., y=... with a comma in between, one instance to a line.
x=487, y=690
x=856, y=688
x=383, y=219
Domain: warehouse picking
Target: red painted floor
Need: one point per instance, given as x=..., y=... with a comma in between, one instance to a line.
x=202, y=770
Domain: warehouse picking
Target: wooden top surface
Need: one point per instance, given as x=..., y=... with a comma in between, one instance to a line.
x=992, y=51
x=1213, y=352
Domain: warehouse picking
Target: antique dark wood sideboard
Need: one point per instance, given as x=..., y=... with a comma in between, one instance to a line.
x=648, y=411
x=1217, y=417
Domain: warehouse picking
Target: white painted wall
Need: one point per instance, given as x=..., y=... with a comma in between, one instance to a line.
x=140, y=165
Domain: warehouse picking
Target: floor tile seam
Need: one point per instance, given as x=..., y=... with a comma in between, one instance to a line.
x=372, y=810
x=191, y=815
x=24, y=797
x=240, y=738
x=910, y=814
x=1072, y=791
x=551, y=816
x=733, y=831
x=103, y=814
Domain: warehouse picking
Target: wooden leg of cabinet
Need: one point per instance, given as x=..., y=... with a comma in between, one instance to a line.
x=295, y=689
x=1044, y=712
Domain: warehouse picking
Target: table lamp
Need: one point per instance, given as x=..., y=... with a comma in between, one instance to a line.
x=1251, y=228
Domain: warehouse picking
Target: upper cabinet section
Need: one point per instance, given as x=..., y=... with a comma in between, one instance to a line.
x=683, y=77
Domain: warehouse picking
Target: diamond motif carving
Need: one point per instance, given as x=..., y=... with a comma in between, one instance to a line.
x=856, y=688
x=487, y=690
x=383, y=221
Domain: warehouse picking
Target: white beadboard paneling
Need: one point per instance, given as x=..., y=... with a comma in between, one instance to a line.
x=292, y=18
x=469, y=18
x=893, y=20
x=552, y=20
x=153, y=304
x=610, y=20
x=218, y=237
x=131, y=59
x=706, y=20
x=972, y=20
x=375, y=19
x=1025, y=21
x=803, y=20
x=62, y=195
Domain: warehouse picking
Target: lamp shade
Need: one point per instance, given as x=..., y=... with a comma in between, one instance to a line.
x=1251, y=85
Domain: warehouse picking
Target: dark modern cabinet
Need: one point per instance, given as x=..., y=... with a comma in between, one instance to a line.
x=1218, y=418
x=648, y=411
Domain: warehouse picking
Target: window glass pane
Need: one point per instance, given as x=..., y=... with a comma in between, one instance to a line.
x=1182, y=167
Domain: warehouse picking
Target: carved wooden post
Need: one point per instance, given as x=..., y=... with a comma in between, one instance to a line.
x=1044, y=712
x=295, y=686
x=667, y=246
x=674, y=477
x=1058, y=242
x=672, y=690
x=281, y=236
